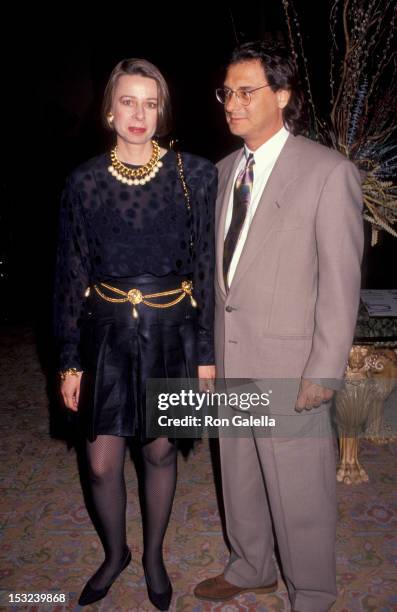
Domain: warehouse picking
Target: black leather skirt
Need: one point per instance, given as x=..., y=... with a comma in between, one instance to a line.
x=120, y=352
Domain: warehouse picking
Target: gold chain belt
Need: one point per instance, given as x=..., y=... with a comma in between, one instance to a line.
x=135, y=296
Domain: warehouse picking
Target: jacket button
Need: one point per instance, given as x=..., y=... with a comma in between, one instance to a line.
x=229, y=309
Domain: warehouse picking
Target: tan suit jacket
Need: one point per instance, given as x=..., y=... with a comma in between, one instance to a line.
x=292, y=305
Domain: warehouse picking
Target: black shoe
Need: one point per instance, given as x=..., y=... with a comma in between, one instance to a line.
x=89, y=595
x=161, y=601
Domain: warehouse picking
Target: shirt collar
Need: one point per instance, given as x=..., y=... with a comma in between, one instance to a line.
x=269, y=150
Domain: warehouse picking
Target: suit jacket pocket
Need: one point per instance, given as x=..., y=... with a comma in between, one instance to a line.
x=287, y=336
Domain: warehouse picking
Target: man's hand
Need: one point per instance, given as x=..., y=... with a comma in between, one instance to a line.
x=70, y=391
x=311, y=395
x=206, y=374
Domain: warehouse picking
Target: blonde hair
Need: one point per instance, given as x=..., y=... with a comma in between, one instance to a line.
x=145, y=69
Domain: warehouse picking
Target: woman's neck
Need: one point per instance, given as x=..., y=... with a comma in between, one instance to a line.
x=136, y=154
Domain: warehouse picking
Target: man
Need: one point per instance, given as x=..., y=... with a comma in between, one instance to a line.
x=289, y=247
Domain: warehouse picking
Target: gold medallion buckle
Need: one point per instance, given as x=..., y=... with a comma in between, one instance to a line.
x=135, y=296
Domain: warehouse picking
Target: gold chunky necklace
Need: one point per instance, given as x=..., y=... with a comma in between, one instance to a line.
x=137, y=176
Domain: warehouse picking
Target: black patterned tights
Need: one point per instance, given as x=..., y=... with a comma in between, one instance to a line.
x=106, y=475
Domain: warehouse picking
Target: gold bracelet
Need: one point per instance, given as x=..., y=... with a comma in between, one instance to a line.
x=71, y=371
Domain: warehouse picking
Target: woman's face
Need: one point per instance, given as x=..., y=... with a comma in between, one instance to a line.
x=134, y=108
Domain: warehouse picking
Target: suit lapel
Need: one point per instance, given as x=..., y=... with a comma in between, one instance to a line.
x=270, y=207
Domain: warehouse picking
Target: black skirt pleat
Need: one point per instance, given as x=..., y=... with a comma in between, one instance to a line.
x=120, y=353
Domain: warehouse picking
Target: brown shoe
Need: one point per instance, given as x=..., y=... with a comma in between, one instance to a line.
x=219, y=589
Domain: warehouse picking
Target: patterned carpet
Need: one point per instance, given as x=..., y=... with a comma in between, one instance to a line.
x=48, y=544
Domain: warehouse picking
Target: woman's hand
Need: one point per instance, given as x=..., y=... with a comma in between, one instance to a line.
x=206, y=374
x=70, y=390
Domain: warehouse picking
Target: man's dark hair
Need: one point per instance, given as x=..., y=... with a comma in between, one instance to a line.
x=280, y=73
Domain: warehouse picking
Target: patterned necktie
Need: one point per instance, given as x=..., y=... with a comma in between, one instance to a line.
x=241, y=200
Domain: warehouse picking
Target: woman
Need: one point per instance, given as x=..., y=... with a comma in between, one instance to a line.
x=135, y=221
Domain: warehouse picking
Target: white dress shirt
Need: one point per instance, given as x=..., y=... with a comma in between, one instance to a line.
x=265, y=157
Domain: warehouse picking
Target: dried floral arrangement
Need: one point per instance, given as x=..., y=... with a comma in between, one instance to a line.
x=362, y=123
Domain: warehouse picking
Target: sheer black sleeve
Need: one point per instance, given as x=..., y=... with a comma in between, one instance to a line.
x=72, y=278
x=203, y=206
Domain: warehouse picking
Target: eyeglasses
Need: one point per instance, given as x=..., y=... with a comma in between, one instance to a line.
x=224, y=94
